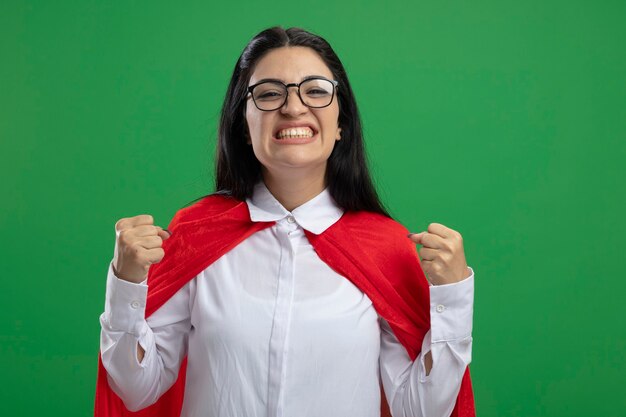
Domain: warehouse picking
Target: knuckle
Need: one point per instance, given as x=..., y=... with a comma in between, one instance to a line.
x=119, y=225
x=123, y=236
x=126, y=238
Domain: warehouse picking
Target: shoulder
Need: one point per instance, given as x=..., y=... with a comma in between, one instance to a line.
x=212, y=205
x=376, y=232
x=374, y=223
x=377, y=240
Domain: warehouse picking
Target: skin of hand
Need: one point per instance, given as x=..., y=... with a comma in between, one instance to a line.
x=137, y=245
x=442, y=254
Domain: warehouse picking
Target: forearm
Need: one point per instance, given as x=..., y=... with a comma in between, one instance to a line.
x=429, y=385
x=142, y=362
x=433, y=393
x=136, y=377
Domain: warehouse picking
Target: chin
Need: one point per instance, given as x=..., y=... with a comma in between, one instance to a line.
x=293, y=163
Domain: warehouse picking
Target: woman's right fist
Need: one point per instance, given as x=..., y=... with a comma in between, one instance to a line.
x=137, y=245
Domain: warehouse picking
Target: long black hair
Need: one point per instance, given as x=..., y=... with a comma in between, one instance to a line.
x=237, y=169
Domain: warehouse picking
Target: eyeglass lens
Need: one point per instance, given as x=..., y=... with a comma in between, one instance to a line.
x=315, y=93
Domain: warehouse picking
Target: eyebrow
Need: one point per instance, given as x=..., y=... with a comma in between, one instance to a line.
x=282, y=81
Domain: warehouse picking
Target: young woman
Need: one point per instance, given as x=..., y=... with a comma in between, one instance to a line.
x=289, y=291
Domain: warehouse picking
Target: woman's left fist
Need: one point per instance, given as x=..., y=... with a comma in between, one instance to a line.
x=443, y=257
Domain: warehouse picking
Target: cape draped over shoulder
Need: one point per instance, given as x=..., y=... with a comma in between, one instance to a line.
x=369, y=249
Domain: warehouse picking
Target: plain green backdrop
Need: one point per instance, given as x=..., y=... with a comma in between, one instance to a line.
x=504, y=120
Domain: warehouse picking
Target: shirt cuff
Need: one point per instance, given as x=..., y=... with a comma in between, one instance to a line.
x=125, y=304
x=452, y=310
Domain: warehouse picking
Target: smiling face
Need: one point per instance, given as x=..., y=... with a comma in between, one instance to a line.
x=287, y=155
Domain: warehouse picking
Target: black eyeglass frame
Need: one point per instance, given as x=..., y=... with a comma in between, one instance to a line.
x=335, y=84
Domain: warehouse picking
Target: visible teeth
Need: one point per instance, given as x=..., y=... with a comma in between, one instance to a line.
x=295, y=132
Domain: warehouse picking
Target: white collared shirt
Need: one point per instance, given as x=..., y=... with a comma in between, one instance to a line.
x=270, y=331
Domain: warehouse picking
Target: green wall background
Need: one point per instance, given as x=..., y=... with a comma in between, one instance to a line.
x=504, y=120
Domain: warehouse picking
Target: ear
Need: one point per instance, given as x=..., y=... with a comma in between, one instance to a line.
x=338, y=134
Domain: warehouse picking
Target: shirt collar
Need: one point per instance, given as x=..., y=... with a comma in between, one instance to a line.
x=316, y=215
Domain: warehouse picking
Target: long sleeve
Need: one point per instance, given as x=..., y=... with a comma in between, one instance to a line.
x=409, y=391
x=164, y=337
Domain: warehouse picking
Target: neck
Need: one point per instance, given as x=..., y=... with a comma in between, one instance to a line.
x=292, y=189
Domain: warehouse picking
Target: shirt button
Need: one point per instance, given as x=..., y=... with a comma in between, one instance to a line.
x=290, y=219
x=440, y=308
x=135, y=304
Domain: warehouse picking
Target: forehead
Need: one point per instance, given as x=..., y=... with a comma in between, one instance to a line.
x=290, y=64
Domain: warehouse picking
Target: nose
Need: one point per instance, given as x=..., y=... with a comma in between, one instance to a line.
x=293, y=105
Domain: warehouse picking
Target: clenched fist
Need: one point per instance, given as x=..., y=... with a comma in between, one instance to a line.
x=443, y=257
x=137, y=245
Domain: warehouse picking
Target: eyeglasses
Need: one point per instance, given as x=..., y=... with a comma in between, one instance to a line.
x=315, y=92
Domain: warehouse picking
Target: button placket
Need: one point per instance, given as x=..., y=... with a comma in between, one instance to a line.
x=278, y=347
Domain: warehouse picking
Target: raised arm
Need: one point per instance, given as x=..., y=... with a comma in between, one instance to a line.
x=142, y=357
x=429, y=385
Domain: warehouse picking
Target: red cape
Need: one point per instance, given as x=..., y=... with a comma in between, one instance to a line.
x=369, y=249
